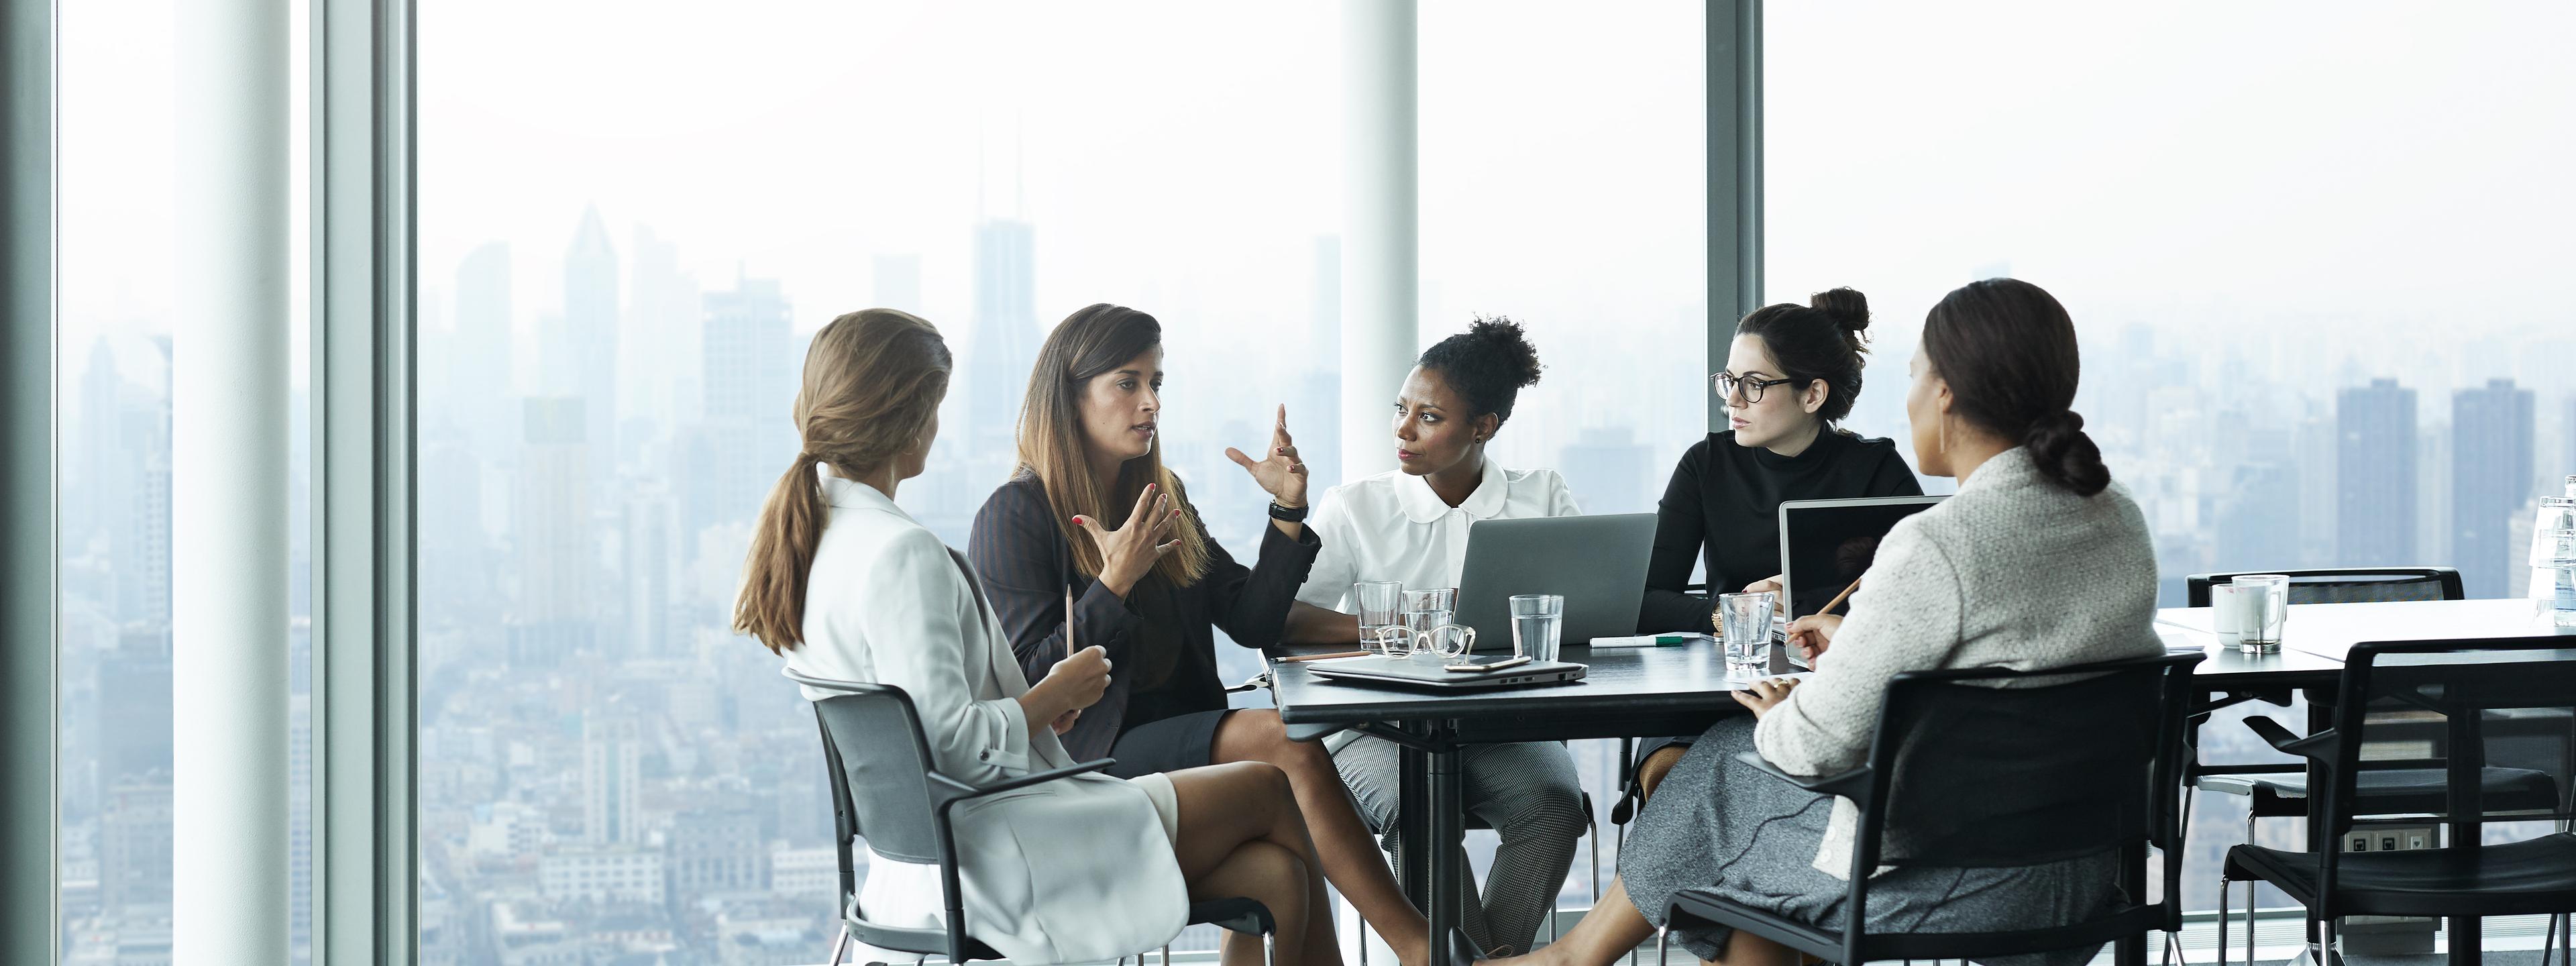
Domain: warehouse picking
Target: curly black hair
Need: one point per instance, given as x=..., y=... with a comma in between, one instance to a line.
x=1487, y=365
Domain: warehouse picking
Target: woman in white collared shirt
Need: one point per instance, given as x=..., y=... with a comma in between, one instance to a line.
x=846, y=586
x=1410, y=525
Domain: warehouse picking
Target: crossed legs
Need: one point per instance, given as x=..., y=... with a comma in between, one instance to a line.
x=1241, y=836
x=1350, y=856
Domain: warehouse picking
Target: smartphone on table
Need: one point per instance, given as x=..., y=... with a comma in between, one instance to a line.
x=1486, y=662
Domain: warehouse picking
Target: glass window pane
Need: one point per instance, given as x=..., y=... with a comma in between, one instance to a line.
x=1564, y=186
x=119, y=313
x=2314, y=261
x=629, y=226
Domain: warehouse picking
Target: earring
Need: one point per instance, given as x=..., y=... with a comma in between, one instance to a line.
x=1941, y=435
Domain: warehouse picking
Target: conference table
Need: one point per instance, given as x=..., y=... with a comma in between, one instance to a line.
x=1648, y=692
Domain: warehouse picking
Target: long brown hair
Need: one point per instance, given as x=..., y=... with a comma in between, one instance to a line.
x=1090, y=342
x=873, y=381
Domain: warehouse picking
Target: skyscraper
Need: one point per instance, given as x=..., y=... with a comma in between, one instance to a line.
x=2375, y=475
x=550, y=520
x=750, y=387
x=898, y=282
x=1006, y=337
x=590, y=327
x=662, y=328
x=611, y=766
x=2491, y=473
x=480, y=375
x=1609, y=471
x=1316, y=418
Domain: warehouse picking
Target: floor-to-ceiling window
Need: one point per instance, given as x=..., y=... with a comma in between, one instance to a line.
x=630, y=221
x=2316, y=257
x=122, y=324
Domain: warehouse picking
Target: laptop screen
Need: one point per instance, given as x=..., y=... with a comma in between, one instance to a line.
x=1827, y=544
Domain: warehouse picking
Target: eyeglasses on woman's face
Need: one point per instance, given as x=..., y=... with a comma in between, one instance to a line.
x=1727, y=384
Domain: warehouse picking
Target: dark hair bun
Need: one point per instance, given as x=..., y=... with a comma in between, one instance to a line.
x=1487, y=366
x=1511, y=347
x=2064, y=453
x=1848, y=309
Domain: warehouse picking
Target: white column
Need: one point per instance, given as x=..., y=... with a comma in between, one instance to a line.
x=1381, y=225
x=228, y=485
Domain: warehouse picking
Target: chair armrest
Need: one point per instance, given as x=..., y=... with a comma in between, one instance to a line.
x=2317, y=747
x=957, y=791
x=1853, y=784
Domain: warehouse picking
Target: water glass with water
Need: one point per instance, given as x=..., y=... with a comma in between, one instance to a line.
x=1746, y=620
x=2263, y=610
x=1427, y=608
x=1379, y=601
x=1537, y=622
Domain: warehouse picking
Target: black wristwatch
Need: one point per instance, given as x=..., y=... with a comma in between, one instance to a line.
x=1288, y=514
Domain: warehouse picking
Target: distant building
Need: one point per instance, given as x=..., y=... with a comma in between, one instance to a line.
x=2491, y=476
x=716, y=852
x=2375, y=475
x=135, y=841
x=805, y=872
x=616, y=873
x=1006, y=338
x=481, y=373
x=748, y=436
x=550, y=517
x=1609, y=471
x=611, y=755
x=590, y=322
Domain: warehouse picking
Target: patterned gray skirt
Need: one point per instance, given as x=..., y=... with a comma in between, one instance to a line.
x=1718, y=824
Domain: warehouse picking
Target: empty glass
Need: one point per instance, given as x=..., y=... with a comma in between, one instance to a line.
x=1379, y=601
x=1745, y=620
x=2263, y=608
x=1537, y=621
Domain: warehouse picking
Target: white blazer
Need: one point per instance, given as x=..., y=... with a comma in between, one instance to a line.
x=1066, y=871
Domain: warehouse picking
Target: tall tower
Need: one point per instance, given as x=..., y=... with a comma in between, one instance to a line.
x=2491, y=472
x=1006, y=337
x=750, y=386
x=2375, y=475
x=590, y=330
x=611, y=756
x=550, y=511
x=482, y=359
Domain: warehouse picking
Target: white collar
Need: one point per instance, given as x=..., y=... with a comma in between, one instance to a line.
x=843, y=492
x=1421, y=505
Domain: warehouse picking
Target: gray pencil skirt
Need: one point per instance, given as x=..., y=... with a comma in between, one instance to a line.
x=1720, y=825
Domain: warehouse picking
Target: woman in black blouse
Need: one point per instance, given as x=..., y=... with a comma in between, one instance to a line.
x=1791, y=375
x=1094, y=513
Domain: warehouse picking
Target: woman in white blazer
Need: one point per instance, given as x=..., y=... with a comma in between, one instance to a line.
x=845, y=585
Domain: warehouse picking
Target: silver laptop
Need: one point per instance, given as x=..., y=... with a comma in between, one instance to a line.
x=1598, y=563
x=1826, y=544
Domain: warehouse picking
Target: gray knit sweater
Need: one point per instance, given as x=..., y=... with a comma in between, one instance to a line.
x=2013, y=572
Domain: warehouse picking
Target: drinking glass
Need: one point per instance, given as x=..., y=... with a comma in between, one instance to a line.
x=1537, y=620
x=2263, y=607
x=1393, y=640
x=1447, y=641
x=1379, y=602
x=1426, y=609
x=1746, y=621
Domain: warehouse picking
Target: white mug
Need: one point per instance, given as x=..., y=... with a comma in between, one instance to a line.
x=2226, y=610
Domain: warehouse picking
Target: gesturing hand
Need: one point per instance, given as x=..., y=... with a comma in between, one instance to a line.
x=1131, y=551
x=1279, y=472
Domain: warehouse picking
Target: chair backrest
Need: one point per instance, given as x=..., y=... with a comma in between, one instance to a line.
x=2352, y=585
x=2081, y=761
x=880, y=769
x=2498, y=715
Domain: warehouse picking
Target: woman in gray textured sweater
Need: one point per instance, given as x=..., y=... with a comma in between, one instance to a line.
x=2038, y=562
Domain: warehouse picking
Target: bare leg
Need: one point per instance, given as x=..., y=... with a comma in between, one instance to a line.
x=1614, y=926
x=1651, y=771
x=1349, y=853
x=1242, y=836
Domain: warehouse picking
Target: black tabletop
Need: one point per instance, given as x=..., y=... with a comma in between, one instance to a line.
x=1627, y=692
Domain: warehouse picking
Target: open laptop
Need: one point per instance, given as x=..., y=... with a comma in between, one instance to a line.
x=1598, y=563
x=1827, y=544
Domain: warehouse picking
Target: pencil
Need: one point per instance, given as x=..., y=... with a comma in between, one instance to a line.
x=1068, y=623
x=1839, y=598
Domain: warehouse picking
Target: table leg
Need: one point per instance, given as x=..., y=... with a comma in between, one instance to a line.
x=1412, y=817
x=1447, y=827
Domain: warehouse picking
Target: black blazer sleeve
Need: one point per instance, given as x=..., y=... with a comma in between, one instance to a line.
x=1251, y=604
x=1026, y=565
x=1680, y=525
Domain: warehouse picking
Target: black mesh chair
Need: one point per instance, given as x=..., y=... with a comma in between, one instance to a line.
x=2460, y=710
x=2345, y=586
x=1962, y=775
x=884, y=790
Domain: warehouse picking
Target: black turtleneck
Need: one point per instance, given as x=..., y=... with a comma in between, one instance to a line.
x=1725, y=499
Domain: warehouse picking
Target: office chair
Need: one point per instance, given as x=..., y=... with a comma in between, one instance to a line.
x=2471, y=708
x=885, y=791
x=1973, y=776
